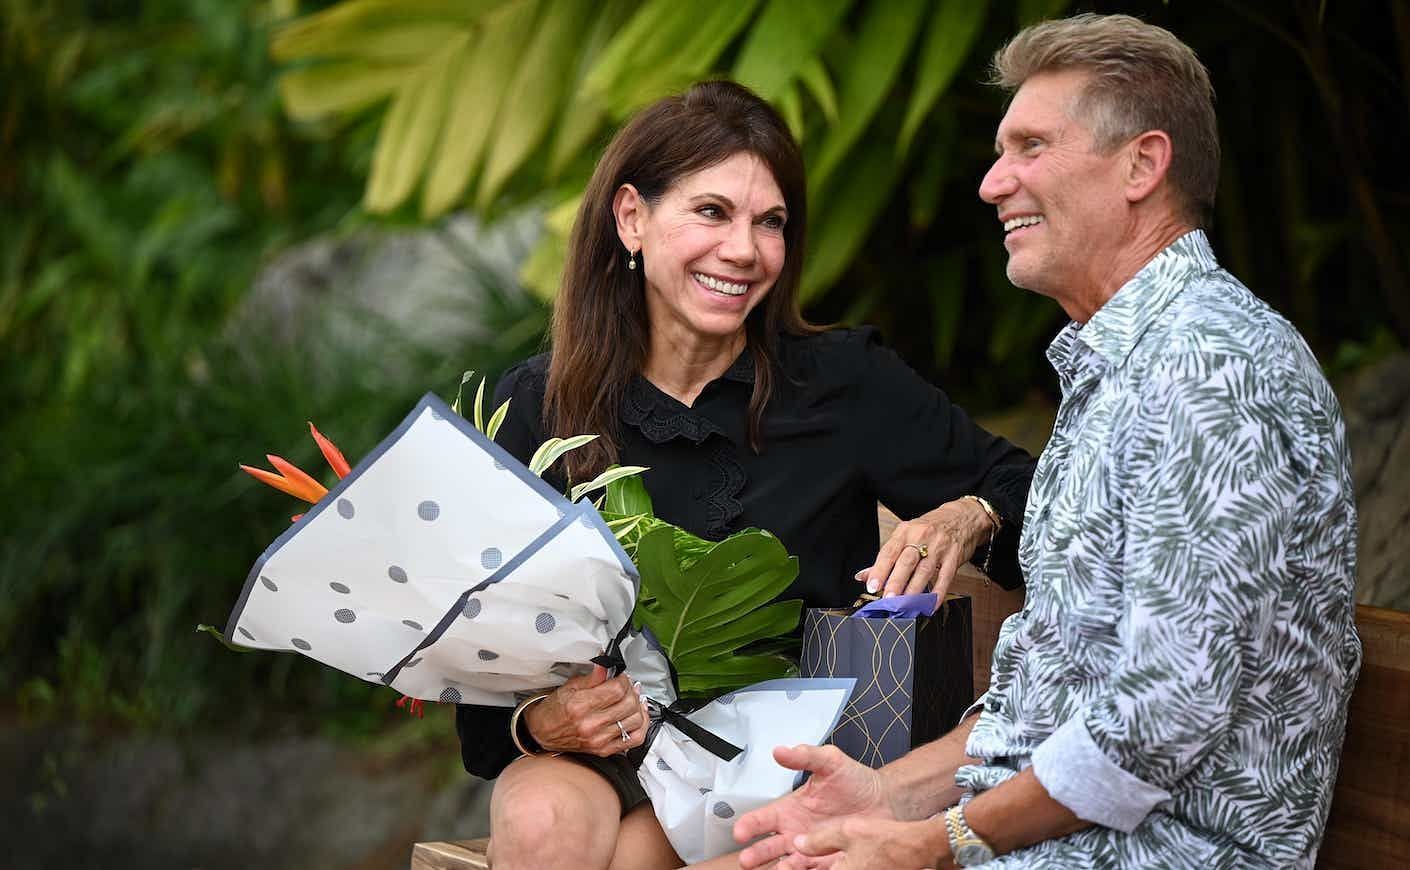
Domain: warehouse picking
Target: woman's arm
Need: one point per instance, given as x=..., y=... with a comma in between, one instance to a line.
x=923, y=453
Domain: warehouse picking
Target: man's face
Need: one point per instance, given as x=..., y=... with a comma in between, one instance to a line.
x=1061, y=202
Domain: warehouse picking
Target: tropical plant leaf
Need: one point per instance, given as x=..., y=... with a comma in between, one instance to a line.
x=460, y=389
x=496, y=419
x=882, y=47
x=953, y=29
x=550, y=451
x=628, y=496
x=216, y=633
x=480, y=406
x=616, y=472
x=333, y=88
x=412, y=127
x=814, y=77
x=475, y=103
x=703, y=614
x=844, y=225
x=536, y=93
x=786, y=38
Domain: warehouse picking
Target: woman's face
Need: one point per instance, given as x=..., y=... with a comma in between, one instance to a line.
x=712, y=247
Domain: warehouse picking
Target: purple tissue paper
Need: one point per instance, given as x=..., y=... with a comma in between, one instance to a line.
x=901, y=607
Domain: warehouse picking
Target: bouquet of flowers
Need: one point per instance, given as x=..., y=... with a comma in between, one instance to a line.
x=442, y=567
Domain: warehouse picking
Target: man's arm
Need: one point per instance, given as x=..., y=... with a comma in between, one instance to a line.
x=921, y=783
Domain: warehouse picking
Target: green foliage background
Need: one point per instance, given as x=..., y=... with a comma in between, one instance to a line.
x=154, y=155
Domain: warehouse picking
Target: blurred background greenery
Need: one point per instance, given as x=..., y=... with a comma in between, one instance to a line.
x=219, y=217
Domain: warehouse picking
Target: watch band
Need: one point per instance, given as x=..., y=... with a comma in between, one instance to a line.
x=966, y=847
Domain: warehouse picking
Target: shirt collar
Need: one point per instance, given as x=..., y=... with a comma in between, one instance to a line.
x=742, y=369
x=1117, y=327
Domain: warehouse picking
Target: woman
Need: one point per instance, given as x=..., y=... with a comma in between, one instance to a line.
x=677, y=337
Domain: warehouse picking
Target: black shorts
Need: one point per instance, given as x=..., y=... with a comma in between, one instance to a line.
x=620, y=773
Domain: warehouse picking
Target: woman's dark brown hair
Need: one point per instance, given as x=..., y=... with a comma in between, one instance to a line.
x=600, y=333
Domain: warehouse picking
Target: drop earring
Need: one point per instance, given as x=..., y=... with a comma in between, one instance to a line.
x=631, y=260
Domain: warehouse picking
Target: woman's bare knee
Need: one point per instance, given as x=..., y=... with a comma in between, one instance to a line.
x=552, y=813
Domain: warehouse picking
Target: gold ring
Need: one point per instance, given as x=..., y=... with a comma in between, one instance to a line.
x=625, y=736
x=922, y=549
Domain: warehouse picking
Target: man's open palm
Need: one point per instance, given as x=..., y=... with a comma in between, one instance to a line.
x=838, y=787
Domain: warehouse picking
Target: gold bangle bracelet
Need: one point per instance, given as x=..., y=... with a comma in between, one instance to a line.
x=514, y=722
x=994, y=525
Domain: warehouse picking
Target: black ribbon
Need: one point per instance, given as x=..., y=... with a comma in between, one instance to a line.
x=612, y=660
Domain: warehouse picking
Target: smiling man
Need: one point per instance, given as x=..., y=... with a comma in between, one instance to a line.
x=1174, y=692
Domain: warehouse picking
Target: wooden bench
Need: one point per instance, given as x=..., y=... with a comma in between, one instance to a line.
x=1369, y=825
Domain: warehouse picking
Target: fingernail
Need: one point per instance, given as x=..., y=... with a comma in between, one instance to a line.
x=872, y=585
x=637, y=686
x=860, y=575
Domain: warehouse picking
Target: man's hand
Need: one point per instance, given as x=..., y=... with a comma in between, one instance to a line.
x=947, y=536
x=875, y=844
x=839, y=787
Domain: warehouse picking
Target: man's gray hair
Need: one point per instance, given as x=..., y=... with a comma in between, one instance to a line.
x=1142, y=78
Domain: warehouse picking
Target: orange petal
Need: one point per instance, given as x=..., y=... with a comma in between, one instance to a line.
x=330, y=452
x=310, y=490
x=274, y=480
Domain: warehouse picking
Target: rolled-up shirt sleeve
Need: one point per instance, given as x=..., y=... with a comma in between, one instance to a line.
x=1216, y=483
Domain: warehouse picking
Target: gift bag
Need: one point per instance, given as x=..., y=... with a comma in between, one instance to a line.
x=914, y=674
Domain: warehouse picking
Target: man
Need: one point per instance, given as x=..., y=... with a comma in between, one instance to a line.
x=1174, y=692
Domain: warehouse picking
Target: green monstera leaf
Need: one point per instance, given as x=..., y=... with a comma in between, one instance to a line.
x=705, y=614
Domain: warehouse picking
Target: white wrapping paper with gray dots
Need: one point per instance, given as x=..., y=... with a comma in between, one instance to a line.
x=697, y=796
x=442, y=567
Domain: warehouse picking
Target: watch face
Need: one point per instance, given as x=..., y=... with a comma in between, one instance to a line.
x=973, y=854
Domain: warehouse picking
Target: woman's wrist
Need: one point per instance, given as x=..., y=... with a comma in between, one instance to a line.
x=521, y=724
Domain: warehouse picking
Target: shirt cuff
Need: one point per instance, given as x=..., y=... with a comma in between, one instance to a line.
x=1078, y=775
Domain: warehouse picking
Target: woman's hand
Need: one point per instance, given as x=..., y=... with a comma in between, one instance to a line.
x=923, y=554
x=590, y=714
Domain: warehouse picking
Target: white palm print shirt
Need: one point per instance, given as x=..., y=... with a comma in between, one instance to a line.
x=1181, y=671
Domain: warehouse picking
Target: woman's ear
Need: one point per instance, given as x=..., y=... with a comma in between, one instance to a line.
x=1150, y=154
x=629, y=208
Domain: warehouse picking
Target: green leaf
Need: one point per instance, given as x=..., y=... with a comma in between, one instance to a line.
x=704, y=613
x=585, y=113
x=786, y=37
x=480, y=406
x=347, y=28
x=947, y=290
x=790, y=105
x=411, y=128
x=474, y=105
x=550, y=451
x=496, y=419
x=814, y=77
x=846, y=220
x=628, y=496
x=882, y=47
x=667, y=45
x=333, y=88
x=535, y=93
x=652, y=33
x=460, y=389
x=953, y=31
x=216, y=633
x=616, y=472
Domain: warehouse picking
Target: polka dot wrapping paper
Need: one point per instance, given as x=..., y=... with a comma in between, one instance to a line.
x=698, y=797
x=442, y=567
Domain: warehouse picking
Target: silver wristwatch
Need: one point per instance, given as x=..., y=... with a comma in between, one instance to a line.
x=967, y=847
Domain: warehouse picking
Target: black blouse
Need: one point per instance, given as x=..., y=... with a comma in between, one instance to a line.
x=849, y=424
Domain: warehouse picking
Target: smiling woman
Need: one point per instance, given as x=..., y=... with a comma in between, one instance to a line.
x=677, y=338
